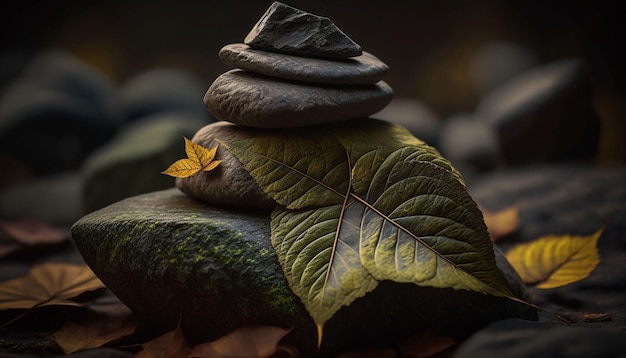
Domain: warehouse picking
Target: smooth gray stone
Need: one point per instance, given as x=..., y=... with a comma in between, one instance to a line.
x=468, y=141
x=496, y=62
x=163, y=89
x=415, y=116
x=285, y=29
x=229, y=184
x=253, y=100
x=56, y=112
x=55, y=198
x=132, y=162
x=545, y=114
x=173, y=259
x=515, y=338
x=361, y=70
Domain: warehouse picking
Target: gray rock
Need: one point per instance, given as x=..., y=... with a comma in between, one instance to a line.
x=288, y=30
x=545, y=114
x=56, y=113
x=415, y=116
x=516, y=338
x=162, y=90
x=365, y=69
x=249, y=99
x=62, y=71
x=56, y=198
x=132, y=162
x=469, y=142
x=229, y=184
x=496, y=62
x=169, y=257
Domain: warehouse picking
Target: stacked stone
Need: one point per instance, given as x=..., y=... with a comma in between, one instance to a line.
x=170, y=256
x=294, y=69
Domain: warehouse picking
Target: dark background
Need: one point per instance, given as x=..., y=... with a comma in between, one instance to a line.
x=427, y=44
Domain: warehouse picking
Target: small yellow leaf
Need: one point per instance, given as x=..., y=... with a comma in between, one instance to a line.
x=211, y=165
x=183, y=168
x=553, y=261
x=198, y=159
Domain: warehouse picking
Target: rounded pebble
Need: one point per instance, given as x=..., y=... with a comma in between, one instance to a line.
x=364, y=69
x=254, y=100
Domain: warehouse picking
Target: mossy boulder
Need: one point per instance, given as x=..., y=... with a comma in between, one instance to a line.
x=170, y=257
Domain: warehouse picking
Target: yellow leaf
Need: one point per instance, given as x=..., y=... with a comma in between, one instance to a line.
x=501, y=223
x=553, y=261
x=198, y=159
x=48, y=284
x=183, y=168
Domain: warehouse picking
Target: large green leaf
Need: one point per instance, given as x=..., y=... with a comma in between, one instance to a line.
x=317, y=167
x=359, y=206
x=319, y=252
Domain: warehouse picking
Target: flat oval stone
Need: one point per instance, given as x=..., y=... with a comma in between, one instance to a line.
x=173, y=259
x=254, y=100
x=229, y=184
x=362, y=70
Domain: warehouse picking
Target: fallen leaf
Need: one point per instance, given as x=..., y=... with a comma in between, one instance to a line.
x=426, y=344
x=169, y=345
x=47, y=284
x=26, y=232
x=553, y=261
x=198, y=159
x=596, y=317
x=257, y=341
x=501, y=223
x=74, y=337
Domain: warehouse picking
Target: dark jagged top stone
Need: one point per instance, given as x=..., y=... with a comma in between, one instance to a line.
x=288, y=30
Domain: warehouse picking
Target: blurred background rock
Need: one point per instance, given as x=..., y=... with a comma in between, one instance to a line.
x=99, y=65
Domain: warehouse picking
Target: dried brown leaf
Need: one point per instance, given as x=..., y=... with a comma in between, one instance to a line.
x=169, y=345
x=257, y=341
x=74, y=337
x=27, y=232
x=596, y=317
x=50, y=283
x=31, y=231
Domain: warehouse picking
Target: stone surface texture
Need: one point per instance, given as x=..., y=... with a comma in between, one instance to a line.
x=360, y=70
x=229, y=184
x=286, y=29
x=165, y=254
x=249, y=99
